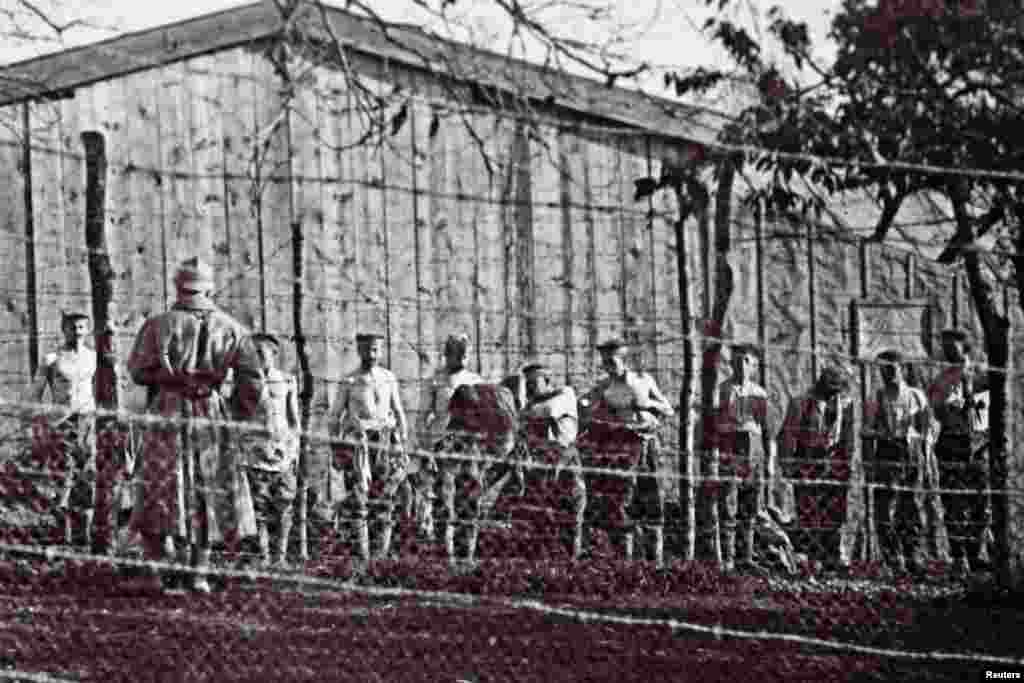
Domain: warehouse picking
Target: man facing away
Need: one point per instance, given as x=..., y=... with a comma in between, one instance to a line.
x=183, y=357
x=621, y=416
x=69, y=375
x=370, y=420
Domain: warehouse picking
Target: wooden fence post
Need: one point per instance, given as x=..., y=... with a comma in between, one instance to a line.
x=101, y=273
x=31, y=297
x=688, y=462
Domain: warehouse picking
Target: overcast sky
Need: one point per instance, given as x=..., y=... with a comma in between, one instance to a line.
x=665, y=33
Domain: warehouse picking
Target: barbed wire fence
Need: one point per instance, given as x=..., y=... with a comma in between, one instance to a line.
x=836, y=513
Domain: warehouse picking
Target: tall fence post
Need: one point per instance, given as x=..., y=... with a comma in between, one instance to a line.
x=31, y=298
x=114, y=438
x=689, y=463
x=101, y=273
x=1007, y=480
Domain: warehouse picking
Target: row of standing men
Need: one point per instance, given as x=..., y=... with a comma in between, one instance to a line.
x=182, y=503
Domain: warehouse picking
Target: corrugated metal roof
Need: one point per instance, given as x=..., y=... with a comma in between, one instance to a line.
x=63, y=71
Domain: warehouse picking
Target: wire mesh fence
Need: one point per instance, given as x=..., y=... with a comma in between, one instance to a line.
x=578, y=532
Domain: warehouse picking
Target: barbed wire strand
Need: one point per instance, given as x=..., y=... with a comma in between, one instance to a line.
x=550, y=610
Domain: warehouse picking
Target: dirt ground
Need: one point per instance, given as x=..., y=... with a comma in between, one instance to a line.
x=415, y=619
x=405, y=621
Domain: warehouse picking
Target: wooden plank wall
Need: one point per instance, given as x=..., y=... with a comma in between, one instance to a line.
x=525, y=237
x=14, y=319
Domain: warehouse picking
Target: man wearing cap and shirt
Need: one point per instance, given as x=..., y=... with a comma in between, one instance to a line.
x=739, y=429
x=183, y=357
x=815, y=445
x=549, y=423
x=268, y=443
x=620, y=418
x=433, y=419
x=369, y=417
x=69, y=375
x=899, y=423
x=959, y=399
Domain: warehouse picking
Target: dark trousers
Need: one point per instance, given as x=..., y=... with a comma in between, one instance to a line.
x=741, y=468
x=963, y=467
x=820, y=481
x=547, y=514
x=899, y=513
x=629, y=496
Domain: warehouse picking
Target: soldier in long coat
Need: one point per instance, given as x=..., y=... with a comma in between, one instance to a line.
x=183, y=357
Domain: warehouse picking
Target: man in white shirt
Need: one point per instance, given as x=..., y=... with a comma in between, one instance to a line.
x=69, y=375
x=899, y=422
x=739, y=427
x=369, y=417
x=959, y=400
x=553, y=490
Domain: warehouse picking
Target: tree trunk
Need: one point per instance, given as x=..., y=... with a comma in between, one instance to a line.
x=996, y=329
x=687, y=461
x=298, y=302
x=713, y=331
x=101, y=273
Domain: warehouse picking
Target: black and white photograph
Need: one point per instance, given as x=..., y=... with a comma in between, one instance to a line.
x=468, y=341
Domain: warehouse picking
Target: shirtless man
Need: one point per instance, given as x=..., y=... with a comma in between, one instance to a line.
x=434, y=417
x=69, y=374
x=268, y=399
x=621, y=416
x=369, y=418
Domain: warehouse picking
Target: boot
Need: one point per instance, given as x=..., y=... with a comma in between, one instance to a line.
x=728, y=550
x=87, y=521
x=471, y=539
x=426, y=519
x=963, y=567
x=627, y=543
x=449, y=541
x=363, y=539
x=749, y=554
x=577, y=542
x=264, y=540
x=282, y=541
x=65, y=521
x=659, y=546
x=200, y=584
x=385, y=539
